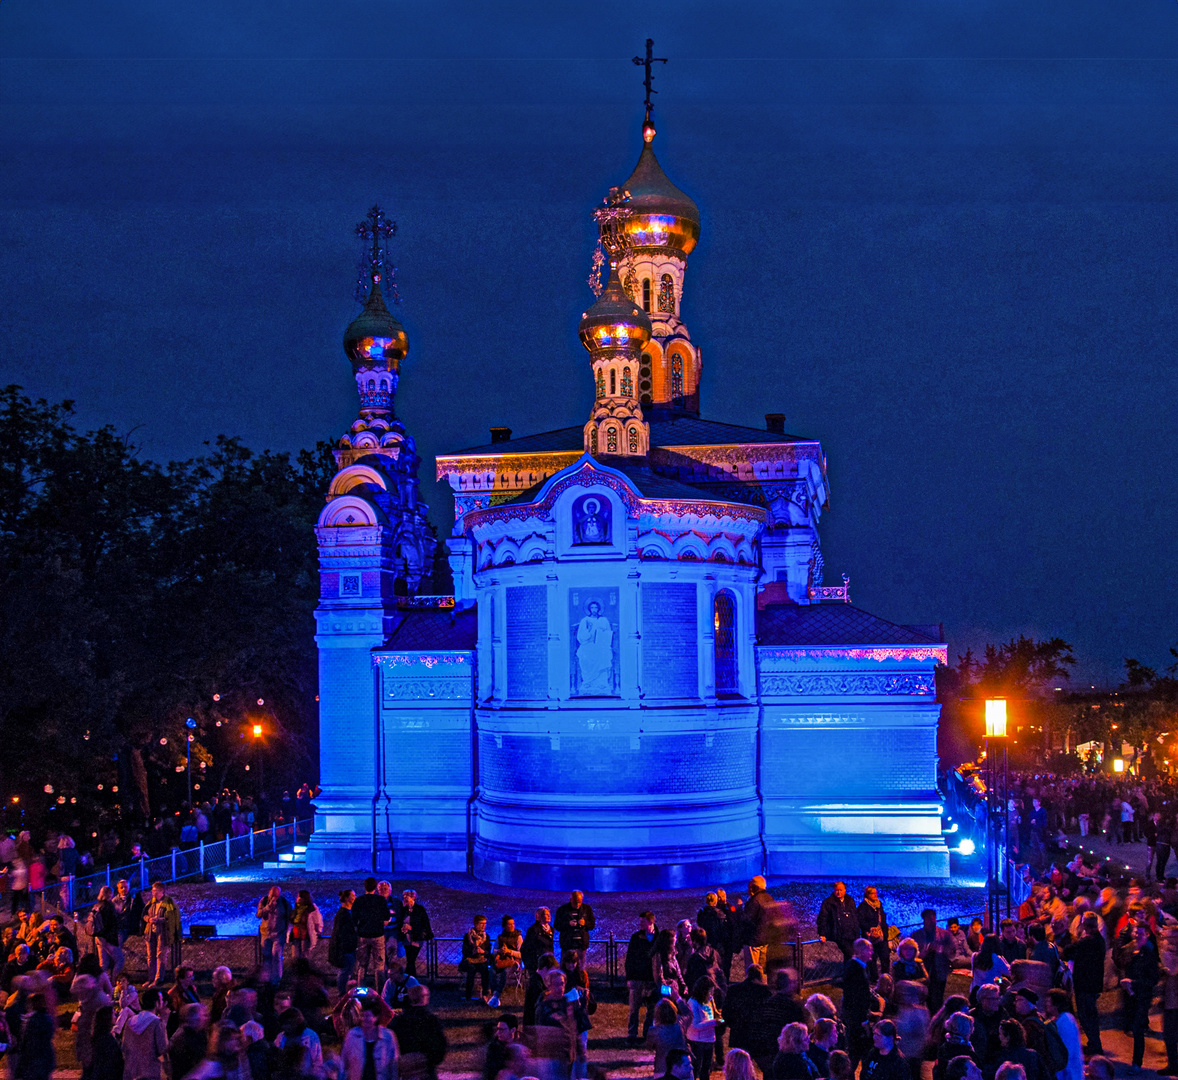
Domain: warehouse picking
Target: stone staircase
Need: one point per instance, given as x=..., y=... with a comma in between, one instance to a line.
x=288, y=860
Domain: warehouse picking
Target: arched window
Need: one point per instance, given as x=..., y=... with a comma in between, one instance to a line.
x=633, y=440
x=724, y=625
x=667, y=294
x=611, y=440
x=371, y=385
x=600, y=383
x=627, y=382
x=593, y=441
x=384, y=385
x=613, y=381
x=646, y=294
x=630, y=286
x=676, y=377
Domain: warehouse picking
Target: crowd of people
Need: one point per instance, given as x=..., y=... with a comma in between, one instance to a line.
x=1013, y=1002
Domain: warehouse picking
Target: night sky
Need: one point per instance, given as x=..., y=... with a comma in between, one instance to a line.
x=939, y=236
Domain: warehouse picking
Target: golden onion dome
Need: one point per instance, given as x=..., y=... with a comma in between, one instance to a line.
x=375, y=340
x=663, y=216
x=614, y=323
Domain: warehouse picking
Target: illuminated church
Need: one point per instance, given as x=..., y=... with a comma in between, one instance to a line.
x=640, y=680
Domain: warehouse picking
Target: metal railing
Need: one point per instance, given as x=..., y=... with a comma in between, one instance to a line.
x=81, y=890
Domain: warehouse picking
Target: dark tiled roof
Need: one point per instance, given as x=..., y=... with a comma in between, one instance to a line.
x=677, y=430
x=653, y=486
x=831, y=624
x=450, y=630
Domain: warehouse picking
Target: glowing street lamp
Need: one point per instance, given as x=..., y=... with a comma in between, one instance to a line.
x=996, y=718
x=1118, y=764
x=257, y=731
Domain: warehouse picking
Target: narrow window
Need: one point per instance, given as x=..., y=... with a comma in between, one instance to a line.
x=667, y=294
x=613, y=382
x=633, y=440
x=646, y=294
x=627, y=383
x=724, y=625
x=677, y=377
x=593, y=441
x=611, y=440
x=600, y=383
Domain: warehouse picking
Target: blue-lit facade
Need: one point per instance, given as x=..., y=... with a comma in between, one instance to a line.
x=640, y=680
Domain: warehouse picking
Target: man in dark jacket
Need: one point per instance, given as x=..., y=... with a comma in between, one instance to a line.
x=574, y=922
x=760, y=923
x=418, y=1031
x=638, y=972
x=372, y=915
x=1142, y=973
x=741, y=1007
x=857, y=1001
x=1087, y=957
x=103, y=923
x=771, y=1014
x=341, y=950
x=838, y=920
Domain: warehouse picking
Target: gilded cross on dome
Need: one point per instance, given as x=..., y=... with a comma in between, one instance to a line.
x=374, y=262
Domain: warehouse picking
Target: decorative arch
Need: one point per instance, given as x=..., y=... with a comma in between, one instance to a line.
x=355, y=475
x=348, y=511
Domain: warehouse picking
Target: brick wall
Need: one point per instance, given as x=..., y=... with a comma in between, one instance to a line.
x=670, y=654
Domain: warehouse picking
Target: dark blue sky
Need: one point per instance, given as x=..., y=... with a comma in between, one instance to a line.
x=939, y=236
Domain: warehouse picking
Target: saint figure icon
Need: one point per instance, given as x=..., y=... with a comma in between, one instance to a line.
x=595, y=652
x=591, y=521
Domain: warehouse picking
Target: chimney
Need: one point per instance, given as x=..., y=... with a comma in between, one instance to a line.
x=775, y=423
x=503, y=434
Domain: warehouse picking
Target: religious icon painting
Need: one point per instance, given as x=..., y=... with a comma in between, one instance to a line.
x=593, y=614
x=592, y=516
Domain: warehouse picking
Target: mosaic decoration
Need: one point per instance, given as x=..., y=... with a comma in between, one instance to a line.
x=940, y=653
x=424, y=602
x=841, y=685
x=593, y=615
x=667, y=294
x=592, y=519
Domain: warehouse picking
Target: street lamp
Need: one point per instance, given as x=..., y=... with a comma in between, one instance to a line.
x=190, y=724
x=1118, y=764
x=261, y=763
x=996, y=857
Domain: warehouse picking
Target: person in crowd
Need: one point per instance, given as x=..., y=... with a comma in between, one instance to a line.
x=838, y=920
x=745, y=999
x=912, y=1024
x=638, y=975
x=884, y=1061
x=161, y=927
x=106, y=1054
x=103, y=926
x=793, y=1060
x=294, y=1031
x=371, y=915
x=345, y=941
x=507, y=958
x=562, y=1022
x=961, y=949
x=679, y=1066
x=824, y=1039
x=1010, y=945
x=1058, y=1013
x=145, y=1043
x=665, y=1034
x=958, y=1028
x=182, y=992
x=306, y=924
x=537, y=987
x=92, y=990
x=758, y=923
x=986, y=1016
x=413, y=929
x=857, y=1001
x=713, y=920
x=538, y=941
x=664, y=968
x=190, y=1042
x=36, y=1058
x=421, y=1040
x=574, y=923
x=1013, y=1040
x=738, y=1065
x=1087, y=959
x=907, y=964
x=988, y=964
x=1142, y=974
x=128, y=907
x=937, y=949
x=500, y=1035
x=476, y=958
x=222, y=983
x=701, y=1029
x=274, y=917
x=369, y=1050
x=398, y=984
x=873, y=925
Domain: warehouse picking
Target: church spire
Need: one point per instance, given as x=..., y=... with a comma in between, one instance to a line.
x=615, y=331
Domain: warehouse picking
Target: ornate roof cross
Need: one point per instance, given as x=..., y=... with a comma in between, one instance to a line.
x=646, y=63
x=374, y=263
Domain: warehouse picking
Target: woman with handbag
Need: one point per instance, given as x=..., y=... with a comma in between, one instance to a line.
x=306, y=926
x=507, y=958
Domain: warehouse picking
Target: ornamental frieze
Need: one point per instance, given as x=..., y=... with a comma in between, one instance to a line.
x=427, y=689
x=843, y=685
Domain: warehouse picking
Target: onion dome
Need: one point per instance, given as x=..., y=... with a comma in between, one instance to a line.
x=614, y=323
x=663, y=216
x=375, y=340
